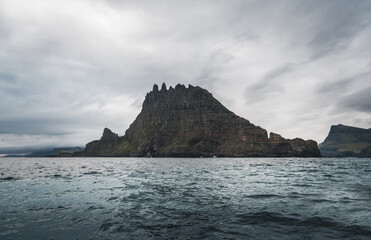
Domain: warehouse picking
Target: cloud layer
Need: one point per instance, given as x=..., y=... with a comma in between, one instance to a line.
x=70, y=68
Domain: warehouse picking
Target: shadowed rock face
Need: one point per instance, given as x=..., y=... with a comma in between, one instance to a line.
x=346, y=141
x=190, y=122
x=365, y=152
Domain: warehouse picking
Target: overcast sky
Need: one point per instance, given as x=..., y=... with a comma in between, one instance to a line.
x=70, y=68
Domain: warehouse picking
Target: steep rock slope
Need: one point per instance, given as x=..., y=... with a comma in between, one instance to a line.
x=190, y=122
x=346, y=141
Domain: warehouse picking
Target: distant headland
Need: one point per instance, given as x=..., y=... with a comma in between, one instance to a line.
x=347, y=141
x=190, y=122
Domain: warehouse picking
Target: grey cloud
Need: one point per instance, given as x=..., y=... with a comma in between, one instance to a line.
x=36, y=126
x=337, y=23
x=7, y=77
x=350, y=94
x=275, y=73
x=359, y=101
x=342, y=85
x=59, y=72
x=334, y=87
x=268, y=84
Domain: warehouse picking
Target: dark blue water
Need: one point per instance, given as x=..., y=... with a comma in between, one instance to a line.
x=135, y=198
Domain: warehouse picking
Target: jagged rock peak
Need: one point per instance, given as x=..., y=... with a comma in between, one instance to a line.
x=180, y=87
x=108, y=135
x=181, y=97
x=107, y=131
x=155, y=88
x=171, y=88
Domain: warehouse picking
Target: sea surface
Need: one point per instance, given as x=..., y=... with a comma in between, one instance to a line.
x=169, y=198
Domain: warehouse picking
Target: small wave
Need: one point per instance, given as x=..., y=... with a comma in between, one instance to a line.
x=61, y=207
x=360, y=230
x=121, y=229
x=112, y=198
x=263, y=217
x=253, y=174
x=328, y=175
x=191, y=184
x=320, y=222
x=8, y=232
x=76, y=220
x=300, y=195
x=56, y=176
x=261, y=196
x=320, y=200
x=302, y=185
x=8, y=179
x=35, y=209
x=294, y=195
x=105, y=226
x=93, y=208
x=257, y=165
x=92, y=173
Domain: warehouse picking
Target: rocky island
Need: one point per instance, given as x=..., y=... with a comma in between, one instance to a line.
x=347, y=141
x=190, y=122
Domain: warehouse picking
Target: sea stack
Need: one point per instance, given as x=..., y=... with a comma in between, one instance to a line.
x=190, y=122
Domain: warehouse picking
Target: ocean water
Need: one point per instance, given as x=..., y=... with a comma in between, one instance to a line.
x=168, y=198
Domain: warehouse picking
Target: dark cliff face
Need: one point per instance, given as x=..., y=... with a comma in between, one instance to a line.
x=345, y=141
x=365, y=152
x=190, y=122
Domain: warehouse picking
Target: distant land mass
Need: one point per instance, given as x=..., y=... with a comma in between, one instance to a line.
x=47, y=152
x=55, y=152
x=347, y=141
x=190, y=122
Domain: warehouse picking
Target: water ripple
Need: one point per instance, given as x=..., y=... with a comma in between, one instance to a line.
x=223, y=198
